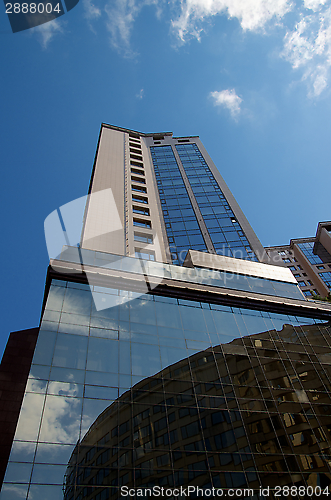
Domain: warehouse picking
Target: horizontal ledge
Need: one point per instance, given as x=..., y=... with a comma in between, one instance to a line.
x=185, y=290
x=238, y=266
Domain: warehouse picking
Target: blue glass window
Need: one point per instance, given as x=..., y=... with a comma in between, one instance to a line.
x=222, y=369
x=139, y=199
x=143, y=238
x=139, y=189
x=326, y=277
x=182, y=227
x=142, y=223
x=224, y=232
x=314, y=252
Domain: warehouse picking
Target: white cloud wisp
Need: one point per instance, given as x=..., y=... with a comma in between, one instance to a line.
x=47, y=31
x=91, y=11
x=308, y=46
x=140, y=94
x=251, y=14
x=227, y=99
x=121, y=15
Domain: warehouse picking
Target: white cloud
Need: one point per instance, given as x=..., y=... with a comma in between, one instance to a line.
x=121, y=15
x=313, y=4
x=308, y=46
x=61, y=419
x=47, y=31
x=91, y=12
x=140, y=95
x=251, y=14
x=61, y=415
x=14, y=491
x=227, y=99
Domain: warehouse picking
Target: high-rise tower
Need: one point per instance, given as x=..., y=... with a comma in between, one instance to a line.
x=170, y=353
x=169, y=185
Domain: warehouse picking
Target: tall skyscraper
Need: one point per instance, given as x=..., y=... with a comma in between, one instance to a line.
x=309, y=260
x=172, y=357
x=169, y=185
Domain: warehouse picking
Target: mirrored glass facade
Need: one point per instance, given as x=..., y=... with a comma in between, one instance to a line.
x=181, y=224
x=224, y=229
x=158, y=391
x=181, y=220
x=153, y=375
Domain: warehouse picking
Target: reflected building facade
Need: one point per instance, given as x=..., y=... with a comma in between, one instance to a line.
x=171, y=352
x=237, y=415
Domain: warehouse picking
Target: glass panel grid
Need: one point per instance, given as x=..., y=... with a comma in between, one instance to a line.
x=326, y=277
x=314, y=252
x=226, y=233
x=182, y=227
x=189, y=393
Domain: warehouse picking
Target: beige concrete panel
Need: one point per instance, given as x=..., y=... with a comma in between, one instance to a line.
x=104, y=220
x=275, y=258
x=238, y=266
x=325, y=239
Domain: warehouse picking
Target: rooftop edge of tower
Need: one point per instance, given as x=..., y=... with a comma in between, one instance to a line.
x=143, y=134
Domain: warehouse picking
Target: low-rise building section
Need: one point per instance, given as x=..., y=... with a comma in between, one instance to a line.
x=309, y=259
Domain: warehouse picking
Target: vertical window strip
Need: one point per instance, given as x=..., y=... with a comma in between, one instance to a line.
x=183, y=230
x=224, y=230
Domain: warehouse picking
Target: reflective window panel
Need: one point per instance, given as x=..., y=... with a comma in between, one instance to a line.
x=176, y=393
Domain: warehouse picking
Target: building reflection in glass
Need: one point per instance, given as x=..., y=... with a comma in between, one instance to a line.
x=245, y=414
x=166, y=391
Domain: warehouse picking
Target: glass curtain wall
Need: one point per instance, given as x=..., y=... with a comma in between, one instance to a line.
x=314, y=252
x=182, y=227
x=225, y=231
x=169, y=392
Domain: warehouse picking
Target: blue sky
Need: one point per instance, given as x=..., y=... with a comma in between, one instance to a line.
x=250, y=77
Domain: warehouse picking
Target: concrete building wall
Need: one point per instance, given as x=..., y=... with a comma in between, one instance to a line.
x=122, y=167
x=325, y=239
x=105, y=222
